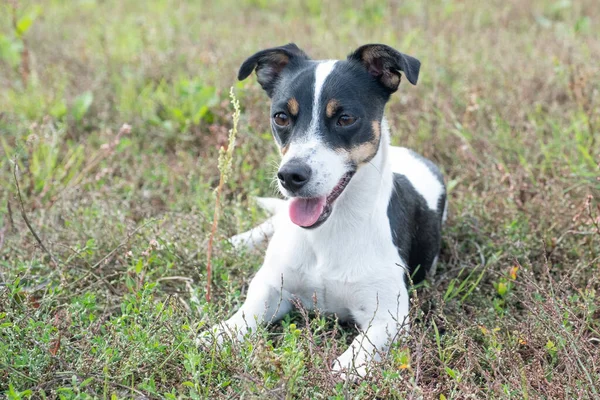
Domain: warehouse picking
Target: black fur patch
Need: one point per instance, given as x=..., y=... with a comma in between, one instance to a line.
x=416, y=229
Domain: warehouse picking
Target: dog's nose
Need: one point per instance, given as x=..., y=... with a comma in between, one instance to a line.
x=294, y=175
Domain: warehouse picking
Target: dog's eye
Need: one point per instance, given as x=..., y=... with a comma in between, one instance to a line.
x=346, y=120
x=281, y=119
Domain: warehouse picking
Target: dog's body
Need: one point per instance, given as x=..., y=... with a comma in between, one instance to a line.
x=362, y=216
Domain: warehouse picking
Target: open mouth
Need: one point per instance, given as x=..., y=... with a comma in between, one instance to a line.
x=313, y=211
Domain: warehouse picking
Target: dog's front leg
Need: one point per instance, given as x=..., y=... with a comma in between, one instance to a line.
x=377, y=332
x=266, y=302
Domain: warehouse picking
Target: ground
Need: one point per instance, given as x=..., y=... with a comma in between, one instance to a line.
x=108, y=305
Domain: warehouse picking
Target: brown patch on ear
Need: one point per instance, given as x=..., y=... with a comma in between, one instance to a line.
x=391, y=80
x=374, y=59
x=293, y=106
x=363, y=153
x=285, y=150
x=332, y=106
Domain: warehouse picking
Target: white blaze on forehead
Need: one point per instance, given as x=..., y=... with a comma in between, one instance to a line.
x=404, y=162
x=309, y=139
x=326, y=165
x=321, y=73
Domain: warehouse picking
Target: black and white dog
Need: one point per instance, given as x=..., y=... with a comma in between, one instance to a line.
x=361, y=216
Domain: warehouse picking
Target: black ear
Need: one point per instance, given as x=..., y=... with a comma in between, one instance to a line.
x=269, y=63
x=385, y=64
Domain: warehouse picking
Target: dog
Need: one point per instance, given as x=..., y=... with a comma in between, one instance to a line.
x=362, y=218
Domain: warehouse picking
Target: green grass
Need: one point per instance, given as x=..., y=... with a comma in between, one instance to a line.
x=507, y=104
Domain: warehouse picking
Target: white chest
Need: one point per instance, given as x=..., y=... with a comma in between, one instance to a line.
x=333, y=277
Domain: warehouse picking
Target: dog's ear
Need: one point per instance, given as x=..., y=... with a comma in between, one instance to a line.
x=385, y=64
x=269, y=63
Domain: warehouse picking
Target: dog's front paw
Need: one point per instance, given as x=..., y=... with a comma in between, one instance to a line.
x=346, y=370
x=240, y=241
x=214, y=336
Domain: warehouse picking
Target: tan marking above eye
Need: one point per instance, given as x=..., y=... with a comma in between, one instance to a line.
x=332, y=106
x=293, y=106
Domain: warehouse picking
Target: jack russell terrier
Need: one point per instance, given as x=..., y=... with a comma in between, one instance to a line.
x=362, y=218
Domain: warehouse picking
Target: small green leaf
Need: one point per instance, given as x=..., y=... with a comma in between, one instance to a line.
x=81, y=105
x=86, y=382
x=551, y=346
x=502, y=288
x=139, y=266
x=91, y=243
x=450, y=290
x=58, y=110
x=451, y=372
x=10, y=50
x=24, y=23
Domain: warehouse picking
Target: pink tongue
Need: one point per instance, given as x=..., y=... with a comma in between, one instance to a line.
x=305, y=212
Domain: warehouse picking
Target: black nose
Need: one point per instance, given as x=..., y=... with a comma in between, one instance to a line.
x=294, y=175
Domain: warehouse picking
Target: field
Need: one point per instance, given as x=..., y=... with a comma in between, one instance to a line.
x=112, y=114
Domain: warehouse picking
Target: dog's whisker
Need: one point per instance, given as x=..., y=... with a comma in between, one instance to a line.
x=274, y=165
x=376, y=168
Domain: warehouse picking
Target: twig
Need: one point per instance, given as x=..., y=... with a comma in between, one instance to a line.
x=2, y=231
x=16, y=371
x=595, y=221
x=173, y=278
x=2, y=237
x=225, y=157
x=123, y=243
x=10, y=216
x=272, y=393
x=26, y=219
x=211, y=239
x=101, y=379
x=89, y=270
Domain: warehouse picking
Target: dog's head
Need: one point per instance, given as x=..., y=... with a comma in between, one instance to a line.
x=326, y=118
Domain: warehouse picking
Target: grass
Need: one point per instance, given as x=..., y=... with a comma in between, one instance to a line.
x=508, y=104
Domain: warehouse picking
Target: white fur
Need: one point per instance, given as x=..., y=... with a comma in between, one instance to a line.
x=271, y=205
x=327, y=166
x=321, y=73
x=423, y=180
x=445, y=214
x=256, y=236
